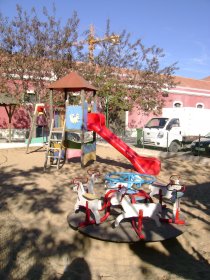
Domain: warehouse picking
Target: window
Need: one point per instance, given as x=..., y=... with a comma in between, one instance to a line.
x=156, y=122
x=177, y=104
x=173, y=123
x=30, y=97
x=199, y=105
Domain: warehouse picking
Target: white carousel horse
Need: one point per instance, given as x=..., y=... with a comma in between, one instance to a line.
x=167, y=191
x=160, y=190
x=151, y=210
x=173, y=191
x=87, y=199
x=93, y=179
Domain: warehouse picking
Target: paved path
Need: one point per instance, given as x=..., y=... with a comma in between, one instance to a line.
x=18, y=145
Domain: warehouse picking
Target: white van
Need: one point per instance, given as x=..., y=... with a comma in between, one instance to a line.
x=176, y=127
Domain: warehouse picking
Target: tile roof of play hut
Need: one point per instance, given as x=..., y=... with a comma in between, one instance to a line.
x=72, y=82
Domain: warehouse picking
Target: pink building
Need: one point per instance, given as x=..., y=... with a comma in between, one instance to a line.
x=20, y=118
x=189, y=93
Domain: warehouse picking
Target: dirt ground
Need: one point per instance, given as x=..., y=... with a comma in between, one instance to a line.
x=36, y=241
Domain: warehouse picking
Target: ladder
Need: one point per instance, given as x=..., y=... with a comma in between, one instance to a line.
x=33, y=124
x=55, y=146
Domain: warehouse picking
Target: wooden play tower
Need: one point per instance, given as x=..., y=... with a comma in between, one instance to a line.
x=79, y=99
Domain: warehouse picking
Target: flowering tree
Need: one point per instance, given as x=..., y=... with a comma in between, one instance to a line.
x=129, y=74
x=34, y=51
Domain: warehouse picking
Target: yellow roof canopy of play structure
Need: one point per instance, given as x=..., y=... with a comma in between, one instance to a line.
x=72, y=82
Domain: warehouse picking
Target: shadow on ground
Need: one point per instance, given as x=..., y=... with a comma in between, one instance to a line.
x=26, y=253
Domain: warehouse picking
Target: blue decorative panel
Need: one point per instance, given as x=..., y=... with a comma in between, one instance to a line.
x=94, y=107
x=74, y=117
x=89, y=148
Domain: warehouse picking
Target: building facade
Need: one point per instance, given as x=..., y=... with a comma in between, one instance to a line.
x=188, y=93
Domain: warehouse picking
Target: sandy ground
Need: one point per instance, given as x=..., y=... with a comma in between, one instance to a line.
x=36, y=241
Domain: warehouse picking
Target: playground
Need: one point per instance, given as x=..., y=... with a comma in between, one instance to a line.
x=36, y=241
x=74, y=208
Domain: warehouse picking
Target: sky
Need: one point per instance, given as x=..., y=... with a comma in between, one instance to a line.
x=180, y=27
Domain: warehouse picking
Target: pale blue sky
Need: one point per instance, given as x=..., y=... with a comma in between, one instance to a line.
x=180, y=27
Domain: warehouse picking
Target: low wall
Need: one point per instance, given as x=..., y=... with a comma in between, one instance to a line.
x=16, y=134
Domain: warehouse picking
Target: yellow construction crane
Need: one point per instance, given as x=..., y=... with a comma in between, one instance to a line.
x=92, y=41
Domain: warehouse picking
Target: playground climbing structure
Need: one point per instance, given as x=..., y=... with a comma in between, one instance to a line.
x=82, y=118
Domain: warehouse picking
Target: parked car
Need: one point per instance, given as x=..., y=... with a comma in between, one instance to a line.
x=201, y=146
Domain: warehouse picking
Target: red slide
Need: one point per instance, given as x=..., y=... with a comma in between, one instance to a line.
x=144, y=165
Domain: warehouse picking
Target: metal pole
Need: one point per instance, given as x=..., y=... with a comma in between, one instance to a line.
x=167, y=141
x=51, y=106
x=82, y=129
x=107, y=111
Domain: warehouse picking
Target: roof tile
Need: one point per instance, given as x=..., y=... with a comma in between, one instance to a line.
x=72, y=81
